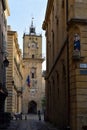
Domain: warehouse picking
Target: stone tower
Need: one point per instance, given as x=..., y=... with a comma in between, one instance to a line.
x=32, y=57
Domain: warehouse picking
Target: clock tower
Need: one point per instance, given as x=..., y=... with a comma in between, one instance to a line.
x=32, y=57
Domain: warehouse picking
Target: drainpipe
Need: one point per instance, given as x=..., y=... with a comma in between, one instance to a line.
x=68, y=127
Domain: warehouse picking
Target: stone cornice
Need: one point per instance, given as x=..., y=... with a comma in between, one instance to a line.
x=76, y=21
x=48, y=11
x=11, y=32
x=14, y=33
x=7, y=10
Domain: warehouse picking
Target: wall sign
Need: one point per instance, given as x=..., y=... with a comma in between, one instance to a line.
x=83, y=65
x=84, y=72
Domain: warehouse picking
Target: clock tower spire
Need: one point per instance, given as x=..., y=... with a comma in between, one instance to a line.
x=32, y=28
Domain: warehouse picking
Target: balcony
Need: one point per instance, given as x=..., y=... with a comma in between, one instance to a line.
x=34, y=56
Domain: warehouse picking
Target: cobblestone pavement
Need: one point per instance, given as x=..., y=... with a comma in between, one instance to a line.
x=31, y=123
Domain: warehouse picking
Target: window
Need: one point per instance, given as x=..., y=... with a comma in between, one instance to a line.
x=33, y=76
x=33, y=72
x=33, y=56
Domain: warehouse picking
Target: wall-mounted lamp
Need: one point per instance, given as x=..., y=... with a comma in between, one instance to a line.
x=6, y=62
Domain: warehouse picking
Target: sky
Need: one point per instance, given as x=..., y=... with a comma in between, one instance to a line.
x=21, y=14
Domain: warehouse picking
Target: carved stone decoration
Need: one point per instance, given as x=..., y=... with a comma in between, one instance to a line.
x=76, y=42
x=76, y=50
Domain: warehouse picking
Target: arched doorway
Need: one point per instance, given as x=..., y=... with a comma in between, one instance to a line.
x=32, y=107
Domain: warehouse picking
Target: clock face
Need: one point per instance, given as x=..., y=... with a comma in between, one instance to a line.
x=33, y=45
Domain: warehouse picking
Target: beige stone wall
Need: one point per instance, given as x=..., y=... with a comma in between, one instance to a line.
x=56, y=73
x=3, y=35
x=66, y=92
x=10, y=73
x=75, y=9
x=78, y=80
x=14, y=73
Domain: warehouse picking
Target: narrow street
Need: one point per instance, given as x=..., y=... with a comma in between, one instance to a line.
x=31, y=123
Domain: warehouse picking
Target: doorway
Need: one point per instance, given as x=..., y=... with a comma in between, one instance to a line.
x=32, y=107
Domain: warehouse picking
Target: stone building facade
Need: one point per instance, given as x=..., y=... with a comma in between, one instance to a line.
x=66, y=70
x=4, y=13
x=32, y=58
x=14, y=73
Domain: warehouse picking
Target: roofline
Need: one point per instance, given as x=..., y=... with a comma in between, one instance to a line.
x=48, y=11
